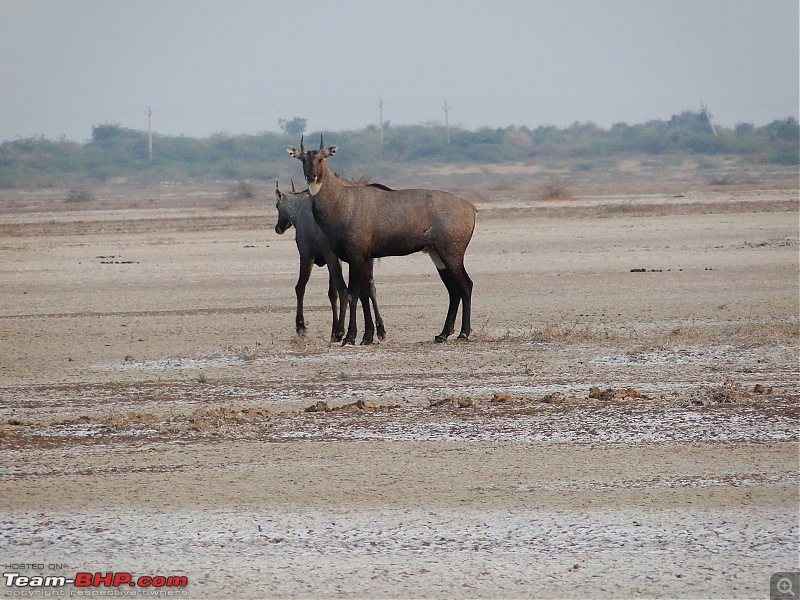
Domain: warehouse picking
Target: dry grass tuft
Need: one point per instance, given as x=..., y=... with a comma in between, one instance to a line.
x=556, y=188
x=565, y=329
x=730, y=392
x=747, y=335
x=79, y=195
x=223, y=418
x=242, y=190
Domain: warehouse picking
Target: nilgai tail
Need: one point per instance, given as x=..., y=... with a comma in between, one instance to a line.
x=363, y=223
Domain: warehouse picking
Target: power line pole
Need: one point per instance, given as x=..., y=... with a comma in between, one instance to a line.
x=446, y=110
x=149, y=113
x=380, y=106
x=707, y=114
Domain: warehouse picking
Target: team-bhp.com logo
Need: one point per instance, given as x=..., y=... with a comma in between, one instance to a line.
x=89, y=582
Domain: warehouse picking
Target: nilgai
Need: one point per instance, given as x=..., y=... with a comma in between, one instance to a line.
x=363, y=223
x=295, y=209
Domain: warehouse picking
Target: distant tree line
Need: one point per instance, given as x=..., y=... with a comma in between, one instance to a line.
x=115, y=152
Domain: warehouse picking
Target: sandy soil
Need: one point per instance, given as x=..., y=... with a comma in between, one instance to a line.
x=623, y=423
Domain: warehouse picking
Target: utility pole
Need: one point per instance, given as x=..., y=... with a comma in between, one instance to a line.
x=380, y=106
x=446, y=110
x=707, y=114
x=149, y=113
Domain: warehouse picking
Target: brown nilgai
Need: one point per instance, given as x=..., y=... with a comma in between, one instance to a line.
x=363, y=223
x=295, y=209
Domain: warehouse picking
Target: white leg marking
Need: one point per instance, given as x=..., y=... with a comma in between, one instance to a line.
x=437, y=260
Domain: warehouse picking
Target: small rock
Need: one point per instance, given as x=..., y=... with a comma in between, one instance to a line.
x=759, y=389
x=357, y=405
x=320, y=406
x=7, y=434
x=459, y=402
x=611, y=394
x=254, y=411
x=597, y=394
x=553, y=398
x=722, y=397
x=502, y=397
x=200, y=425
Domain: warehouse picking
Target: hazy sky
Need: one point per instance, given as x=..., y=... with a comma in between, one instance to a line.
x=237, y=66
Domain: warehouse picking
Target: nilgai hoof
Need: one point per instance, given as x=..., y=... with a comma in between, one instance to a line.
x=440, y=338
x=367, y=342
x=301, y=329
x=348, y=341
x=336, y=337
x=464, y=337
x=381, y=332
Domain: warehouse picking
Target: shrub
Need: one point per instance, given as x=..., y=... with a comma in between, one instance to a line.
x=556, y=188
x=243, y=189
x=79, y=195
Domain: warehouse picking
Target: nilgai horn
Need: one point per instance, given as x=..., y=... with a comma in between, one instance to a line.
x=314, y=248
x=362, y=223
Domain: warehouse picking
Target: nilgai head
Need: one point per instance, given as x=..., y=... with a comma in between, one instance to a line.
x=313, y=162
x=283, y=214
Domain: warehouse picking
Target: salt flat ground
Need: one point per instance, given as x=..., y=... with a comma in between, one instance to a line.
x=623, y=422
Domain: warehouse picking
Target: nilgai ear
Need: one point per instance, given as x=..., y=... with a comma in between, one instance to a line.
x=330, y=151
x=295, y=152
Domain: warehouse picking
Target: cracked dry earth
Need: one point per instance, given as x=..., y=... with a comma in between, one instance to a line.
x=623, y=423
